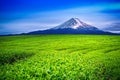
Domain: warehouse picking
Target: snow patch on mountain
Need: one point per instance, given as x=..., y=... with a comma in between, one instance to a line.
x=78, y=23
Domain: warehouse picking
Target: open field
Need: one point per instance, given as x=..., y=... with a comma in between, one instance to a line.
x=60, y=57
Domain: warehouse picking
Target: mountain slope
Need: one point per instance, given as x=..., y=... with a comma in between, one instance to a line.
x=72, y=26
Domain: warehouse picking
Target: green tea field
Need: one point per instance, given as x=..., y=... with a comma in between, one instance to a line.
x=60, y=57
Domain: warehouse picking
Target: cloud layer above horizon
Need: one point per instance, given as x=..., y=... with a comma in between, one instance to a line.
x=20, y=16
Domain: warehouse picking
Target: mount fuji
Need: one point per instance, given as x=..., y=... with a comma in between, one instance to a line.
x=72, y=26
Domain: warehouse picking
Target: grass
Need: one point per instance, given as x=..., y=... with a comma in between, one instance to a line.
x=60, y=57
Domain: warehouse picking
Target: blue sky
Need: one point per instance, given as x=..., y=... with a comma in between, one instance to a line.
x=19, y=16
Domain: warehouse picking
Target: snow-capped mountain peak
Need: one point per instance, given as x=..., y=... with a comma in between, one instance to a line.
x=73, y=23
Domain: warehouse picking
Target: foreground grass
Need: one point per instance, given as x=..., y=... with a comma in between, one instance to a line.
x=60, y=57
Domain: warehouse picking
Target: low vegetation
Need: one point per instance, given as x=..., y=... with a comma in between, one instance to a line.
x=60, y=57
